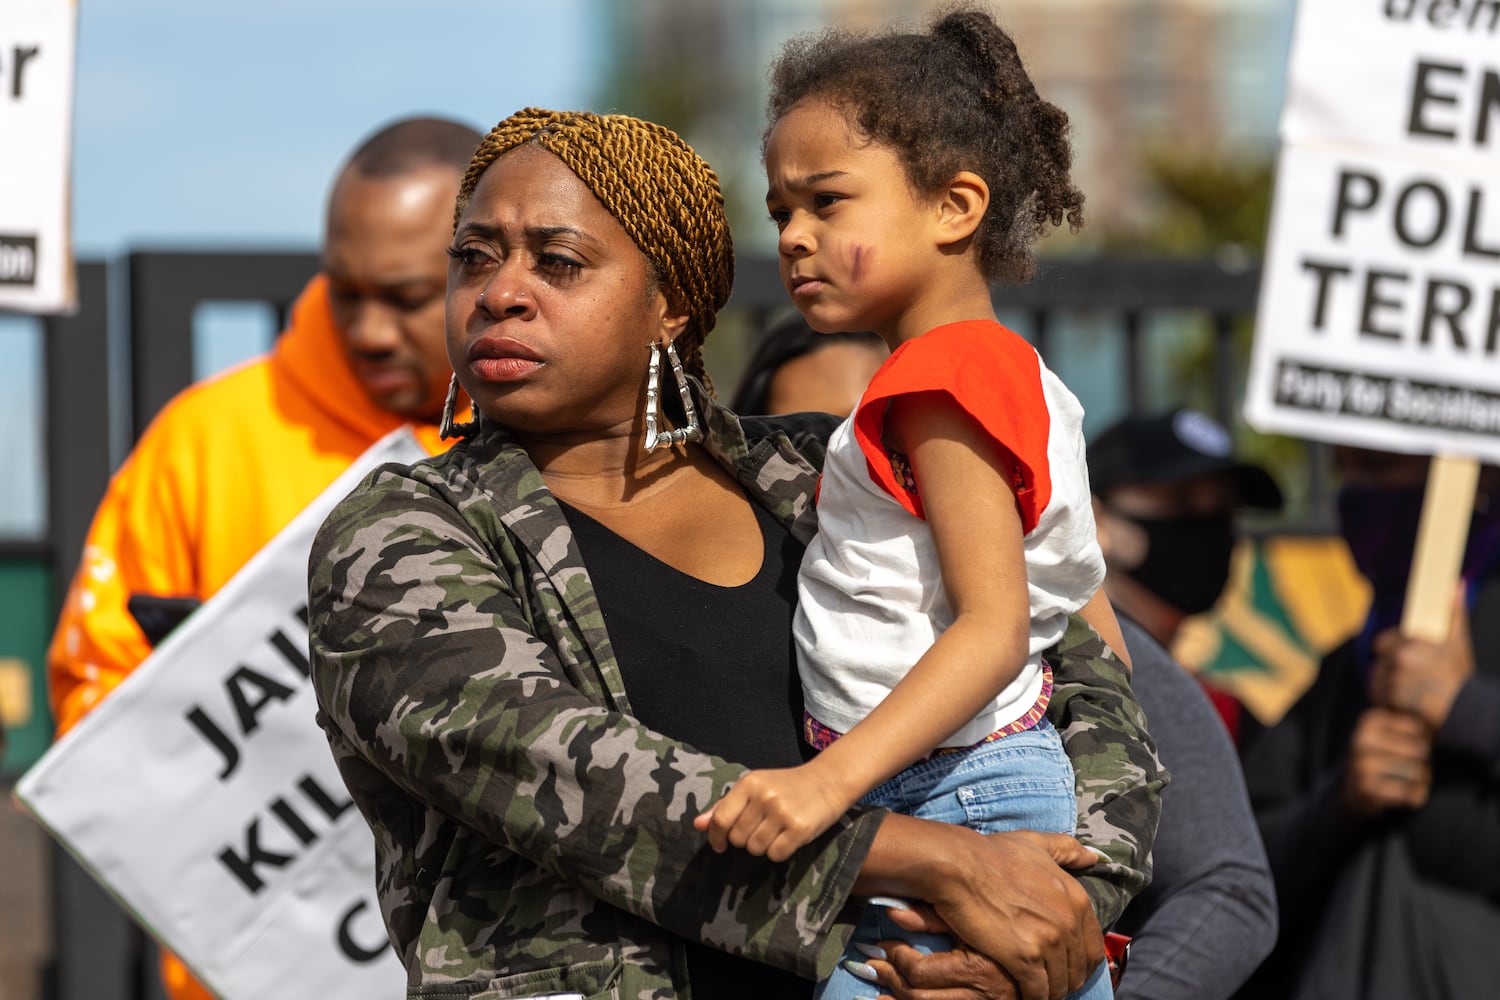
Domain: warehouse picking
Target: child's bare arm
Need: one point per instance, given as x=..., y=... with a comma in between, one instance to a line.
x=1100, y=614
x=971, y=510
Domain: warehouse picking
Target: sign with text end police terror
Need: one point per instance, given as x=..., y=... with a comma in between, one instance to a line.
x=1379, y=316
x=37, y=43
x=203, y=795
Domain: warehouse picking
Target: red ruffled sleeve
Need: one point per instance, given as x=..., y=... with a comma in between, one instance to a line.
x=991, y=374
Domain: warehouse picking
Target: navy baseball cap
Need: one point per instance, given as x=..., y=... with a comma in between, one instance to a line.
x=1180, y=444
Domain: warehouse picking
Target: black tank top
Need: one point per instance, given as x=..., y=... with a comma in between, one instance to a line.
x=713, y=667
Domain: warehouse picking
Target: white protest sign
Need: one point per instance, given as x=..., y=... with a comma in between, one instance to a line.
x=37, y=43
x=203, y=794
x=1379, y=319
x=1408, y=77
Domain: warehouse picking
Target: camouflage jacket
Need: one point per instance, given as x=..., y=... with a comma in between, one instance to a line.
x=531, y=837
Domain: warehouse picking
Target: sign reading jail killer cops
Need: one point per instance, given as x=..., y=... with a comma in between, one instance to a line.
x=202, y=793
x=37, y=41
x=1379, y=319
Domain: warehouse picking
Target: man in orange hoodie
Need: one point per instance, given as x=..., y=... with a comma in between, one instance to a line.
x=231, y=460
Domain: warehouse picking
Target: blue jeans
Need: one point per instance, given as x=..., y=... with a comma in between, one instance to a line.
x=1022, y=781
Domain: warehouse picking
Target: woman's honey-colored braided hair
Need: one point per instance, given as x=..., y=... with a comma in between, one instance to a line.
x=661, y=191
x=916, y=94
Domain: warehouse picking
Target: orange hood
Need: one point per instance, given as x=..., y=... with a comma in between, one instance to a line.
x=310, y=354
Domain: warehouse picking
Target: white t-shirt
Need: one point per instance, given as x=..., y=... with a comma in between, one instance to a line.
x=870, y=591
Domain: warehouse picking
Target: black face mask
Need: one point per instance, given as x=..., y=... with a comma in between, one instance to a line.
x=1187, y=559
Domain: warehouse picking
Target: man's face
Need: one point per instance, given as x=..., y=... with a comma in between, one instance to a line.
x=385, y=254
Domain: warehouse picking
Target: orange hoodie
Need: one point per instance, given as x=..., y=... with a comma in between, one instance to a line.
x=223, y=467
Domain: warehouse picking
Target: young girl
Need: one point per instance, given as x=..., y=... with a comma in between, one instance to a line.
x=906, y=174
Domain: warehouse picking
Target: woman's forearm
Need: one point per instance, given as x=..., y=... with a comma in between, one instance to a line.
x=908, y=860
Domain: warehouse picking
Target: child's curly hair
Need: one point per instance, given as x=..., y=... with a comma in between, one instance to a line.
x=956, y=98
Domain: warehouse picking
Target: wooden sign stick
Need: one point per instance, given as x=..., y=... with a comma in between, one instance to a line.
x=1442, y=533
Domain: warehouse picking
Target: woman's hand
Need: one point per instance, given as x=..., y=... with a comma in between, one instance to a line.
x=1008, y=895
x=961, y=974
x=910, y=974
x=1042, y=931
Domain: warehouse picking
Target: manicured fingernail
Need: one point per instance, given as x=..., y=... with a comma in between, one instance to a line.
x=890, y=902
x=860, y=970
x=869, y=950
x=1102, y=855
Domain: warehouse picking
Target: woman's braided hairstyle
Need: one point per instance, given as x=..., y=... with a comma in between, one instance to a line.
x=661, y=191
x=916, y=94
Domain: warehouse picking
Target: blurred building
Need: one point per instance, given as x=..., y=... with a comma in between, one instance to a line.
x=1198, y=78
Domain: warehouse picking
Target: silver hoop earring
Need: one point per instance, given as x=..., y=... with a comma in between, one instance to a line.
x=447, y=428
x=692, y=432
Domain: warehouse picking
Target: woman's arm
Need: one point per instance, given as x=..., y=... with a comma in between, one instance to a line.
x=1100, y=614
x=428, y=667
x=1117, y=773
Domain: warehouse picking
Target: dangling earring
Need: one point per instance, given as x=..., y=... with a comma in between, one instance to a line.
x=447, y=428
x=692, y=432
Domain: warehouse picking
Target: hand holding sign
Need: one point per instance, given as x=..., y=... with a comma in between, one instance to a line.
x=1422, y=676
x=1390, y=764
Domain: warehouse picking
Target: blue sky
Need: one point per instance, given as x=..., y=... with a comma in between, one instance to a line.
x=221, y=125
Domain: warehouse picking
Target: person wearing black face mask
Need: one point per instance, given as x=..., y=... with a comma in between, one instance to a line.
x=1166, y=488
x=1378, y=795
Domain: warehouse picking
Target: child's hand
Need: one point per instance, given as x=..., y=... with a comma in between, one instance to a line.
x=774, y=812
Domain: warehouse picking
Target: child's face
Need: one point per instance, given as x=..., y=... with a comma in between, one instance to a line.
x=855, y=249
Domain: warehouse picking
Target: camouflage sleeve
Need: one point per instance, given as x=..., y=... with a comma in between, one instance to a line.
x=1118, y=775
x=425, y=662
x=807, y=433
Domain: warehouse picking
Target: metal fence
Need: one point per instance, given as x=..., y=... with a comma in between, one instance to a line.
x=97, y=952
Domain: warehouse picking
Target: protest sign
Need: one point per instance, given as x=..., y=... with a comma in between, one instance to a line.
x=1379, y=320
x=37, y=43
x=203, y=795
